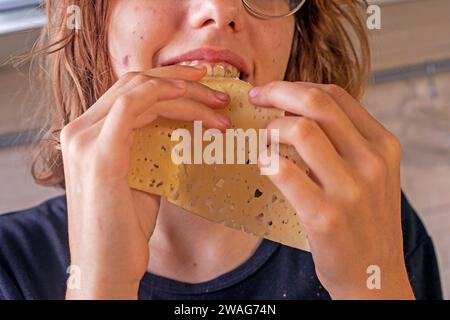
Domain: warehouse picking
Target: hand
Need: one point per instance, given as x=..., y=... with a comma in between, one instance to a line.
x=350, y=204
x=110, y=224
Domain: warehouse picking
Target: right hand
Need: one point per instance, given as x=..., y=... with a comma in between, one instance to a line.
x=110, y=224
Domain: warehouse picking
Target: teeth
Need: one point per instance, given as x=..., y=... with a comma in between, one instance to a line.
x=221, y=69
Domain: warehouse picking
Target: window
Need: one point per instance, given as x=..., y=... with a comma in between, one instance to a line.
x=16, y=4
x=19, y=15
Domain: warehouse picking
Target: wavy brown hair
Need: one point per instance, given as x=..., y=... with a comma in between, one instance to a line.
x=330, y=46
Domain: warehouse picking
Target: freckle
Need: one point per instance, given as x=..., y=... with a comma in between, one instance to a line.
x=194, y=264
x=126, y=60
x=142, y=38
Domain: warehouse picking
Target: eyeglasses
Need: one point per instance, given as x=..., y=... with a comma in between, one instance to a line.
x=273, y=9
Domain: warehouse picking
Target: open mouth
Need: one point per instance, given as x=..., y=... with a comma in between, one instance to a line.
x=217, y=69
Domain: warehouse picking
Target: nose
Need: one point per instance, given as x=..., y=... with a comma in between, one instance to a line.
x=219, y=14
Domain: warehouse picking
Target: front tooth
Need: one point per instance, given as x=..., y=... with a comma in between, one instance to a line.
x=194, y=63
x=219, y=70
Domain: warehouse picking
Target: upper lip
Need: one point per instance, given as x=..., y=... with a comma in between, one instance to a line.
x=211, y=55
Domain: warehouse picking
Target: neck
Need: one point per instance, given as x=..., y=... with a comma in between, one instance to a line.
x=189, y=248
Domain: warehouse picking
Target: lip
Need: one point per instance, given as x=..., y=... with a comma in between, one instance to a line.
x=211, y=55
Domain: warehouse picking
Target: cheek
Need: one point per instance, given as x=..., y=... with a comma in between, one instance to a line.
x=274, y=51
x=281, y=43
x=133, y=36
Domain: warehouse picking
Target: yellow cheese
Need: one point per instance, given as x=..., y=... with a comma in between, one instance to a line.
x=236, y=195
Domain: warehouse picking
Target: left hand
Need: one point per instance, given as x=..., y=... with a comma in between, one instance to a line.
x=350, y=204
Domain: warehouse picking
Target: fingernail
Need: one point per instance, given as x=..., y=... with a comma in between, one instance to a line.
x=221, y=96
x=255, y=91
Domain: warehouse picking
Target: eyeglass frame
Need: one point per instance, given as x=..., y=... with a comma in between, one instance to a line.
x=267, y=17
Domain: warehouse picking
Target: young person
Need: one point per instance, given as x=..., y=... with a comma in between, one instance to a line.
x=118, y=69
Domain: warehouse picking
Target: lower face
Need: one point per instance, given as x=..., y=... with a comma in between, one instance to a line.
x=144, y=34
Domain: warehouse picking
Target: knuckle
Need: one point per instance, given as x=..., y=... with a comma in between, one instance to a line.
x=76, y=145
x=303, y=128
x=376, y=167
x=393, y=146
x=336, y=90
x=315, y=97
x=353, y=193
x=330, y=220
x=271, y=87
x=68, y=134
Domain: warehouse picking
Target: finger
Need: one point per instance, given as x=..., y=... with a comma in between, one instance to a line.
x=302, y=193
x=184, y=110
x=314, y=148
x=145, y=103
x=178, y=72
x=119, y=123
x=133, y=79
x=194, y=90
x=317, y=105
x=366, y=124
x=126, y=81
x=178, y=109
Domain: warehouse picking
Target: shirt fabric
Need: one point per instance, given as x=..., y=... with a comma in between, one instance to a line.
x=34, y=259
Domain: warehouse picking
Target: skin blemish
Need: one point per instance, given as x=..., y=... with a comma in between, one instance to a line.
x=126, y=61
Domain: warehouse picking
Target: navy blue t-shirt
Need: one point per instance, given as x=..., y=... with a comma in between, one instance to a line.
x=34, y=257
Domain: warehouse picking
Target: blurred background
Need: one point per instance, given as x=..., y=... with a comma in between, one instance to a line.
x=409, y=94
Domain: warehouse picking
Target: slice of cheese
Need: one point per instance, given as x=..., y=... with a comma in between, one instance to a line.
x=236, y=195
